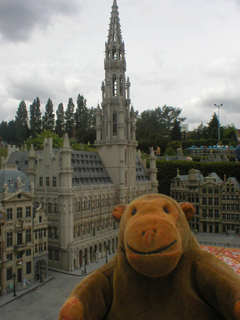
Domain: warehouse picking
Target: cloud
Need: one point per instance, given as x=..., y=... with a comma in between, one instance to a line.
x=18, y=19
x=31, y=86
x=201, y=108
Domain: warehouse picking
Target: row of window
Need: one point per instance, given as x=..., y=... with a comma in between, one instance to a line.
x=39, y=234
x=228, y=197
x=210, y=190
x=53, y=233
x=210, y=201
x=86, y=229
x=9, y=270
x=85, y=156
x=232, y=217
x=28, y=211
x=28, y=236
x=86, y=205
x=113, y=51
x=230, y=207
x=210, y=213
x=20, y=254
x=217, y=191
x=53, y=255
x=47, y=181
x=40, y=247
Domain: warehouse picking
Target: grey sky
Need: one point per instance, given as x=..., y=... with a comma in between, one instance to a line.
x=180, y=53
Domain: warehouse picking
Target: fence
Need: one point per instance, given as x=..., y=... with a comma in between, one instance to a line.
x=219, y=244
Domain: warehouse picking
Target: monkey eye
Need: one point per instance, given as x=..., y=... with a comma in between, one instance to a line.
x=166, y=209
x=134, y=212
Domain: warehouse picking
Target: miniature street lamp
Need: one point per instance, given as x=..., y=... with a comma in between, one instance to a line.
x=106, y=254
x=14, y=287
x=84, y=267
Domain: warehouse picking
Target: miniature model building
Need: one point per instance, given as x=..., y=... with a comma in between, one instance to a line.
x=216, y=201
x=22, y=254
x=77, y=189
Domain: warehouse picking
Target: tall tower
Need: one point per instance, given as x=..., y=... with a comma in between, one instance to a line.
x=115, y=120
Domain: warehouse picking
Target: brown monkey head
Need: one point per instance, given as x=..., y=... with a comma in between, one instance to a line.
x=152, y=233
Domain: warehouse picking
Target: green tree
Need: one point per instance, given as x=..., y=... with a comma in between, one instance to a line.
x=21, y=120
x=4, y=130
x=91, y=132
x=154, y=126
x=59, y=128
x=35, y=118
x=230, y=133
x=12, y=135
x=212, y=128
x=176, y=134
x=39, y=140
x=81, y=117
x=69, y=118
x=48, y=120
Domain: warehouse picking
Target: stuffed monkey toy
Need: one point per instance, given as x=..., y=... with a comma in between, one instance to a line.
x=158, y=273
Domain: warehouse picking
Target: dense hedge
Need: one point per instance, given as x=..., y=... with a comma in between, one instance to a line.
x=167, y=170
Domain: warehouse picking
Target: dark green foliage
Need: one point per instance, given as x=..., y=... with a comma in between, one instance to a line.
x=21, y=121
x=35, y=118
x=167, y=170
x=60, y=126
x=176, y=134
x=12, y=135
x=169, y=152
x=230, y=134
x=48, y=120
x=213, y=127
x=8, y=131
x=4, y=130
x=38, y=141
x=69, y=118
x=154, y=127
x=91, y=132
x=81, y=119
x=175, y=145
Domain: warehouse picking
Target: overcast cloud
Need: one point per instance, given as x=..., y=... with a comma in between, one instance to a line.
x=180, y=53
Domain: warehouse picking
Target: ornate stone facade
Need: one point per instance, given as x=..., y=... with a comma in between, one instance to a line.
x=216, y=201
x=78, y=190
x=18, y=245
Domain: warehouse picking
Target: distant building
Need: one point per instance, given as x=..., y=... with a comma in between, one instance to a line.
x=18, y=246
x=78, y=190
x=216, y=201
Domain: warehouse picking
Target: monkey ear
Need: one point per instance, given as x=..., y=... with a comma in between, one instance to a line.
x=188, y=209
x=118, y=211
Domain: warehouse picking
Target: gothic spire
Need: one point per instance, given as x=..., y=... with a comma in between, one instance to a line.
x=114, y=32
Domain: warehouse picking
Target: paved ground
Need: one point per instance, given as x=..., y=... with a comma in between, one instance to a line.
x=45, y=301
x=218, y=240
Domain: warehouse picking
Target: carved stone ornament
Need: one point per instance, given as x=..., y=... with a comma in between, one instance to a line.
x=19, y=224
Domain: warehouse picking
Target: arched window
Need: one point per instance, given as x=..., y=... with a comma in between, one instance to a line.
x=121, y=86
x=114, y=86
x=120, y=54
x=114, y=123
x=114, y=53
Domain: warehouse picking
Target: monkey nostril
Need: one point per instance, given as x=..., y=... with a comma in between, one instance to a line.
x=154, y=230
x=143, y=233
